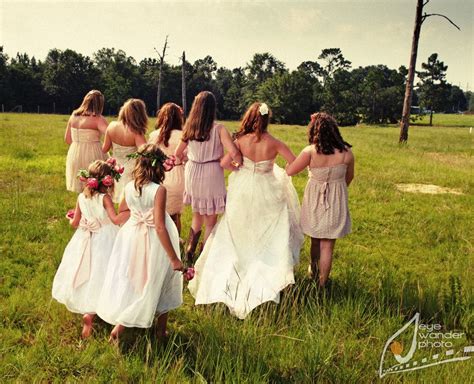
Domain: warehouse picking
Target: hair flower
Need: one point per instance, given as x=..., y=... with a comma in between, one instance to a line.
x=111, y=161
x=92, y=183
x=108, y=181
x=263, y=109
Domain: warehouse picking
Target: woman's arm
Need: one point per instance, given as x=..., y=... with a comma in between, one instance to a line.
x=226, y=161
x=67, y=134
x=285, y=152
x=123, y=215
x=229, y=145
x=160, y=228
x=179, y=153
x=300, y=163
x=107, y=141
x=140, y=140
x=350, y=169
x=102, y=125
x=77, y=216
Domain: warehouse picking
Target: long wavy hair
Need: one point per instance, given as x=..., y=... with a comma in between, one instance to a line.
x=133, y=116
x=99, y=169
x=149, y=166
x=169, y=118
x=92, y=104
x=324, y=133
x=201, y=118
x=253, y=122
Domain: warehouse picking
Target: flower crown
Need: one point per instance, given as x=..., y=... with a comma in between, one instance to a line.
x=158, y=157
x=107, y=180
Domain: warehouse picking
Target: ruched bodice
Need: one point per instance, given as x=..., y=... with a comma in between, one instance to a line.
x=264, y=166
x=120, y=152
x=332, y=174
x=84, y=135
x=84, y=149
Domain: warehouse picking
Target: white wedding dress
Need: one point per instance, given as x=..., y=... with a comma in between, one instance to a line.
x=250, y=255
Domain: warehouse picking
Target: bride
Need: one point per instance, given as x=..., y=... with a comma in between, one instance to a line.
x=250, y=255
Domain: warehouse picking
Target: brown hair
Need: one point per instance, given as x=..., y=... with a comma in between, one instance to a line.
x=92, y=104
x=254, y=122
x=98, y=170
x=201, y=117
x=133, y=116
x=324, y=133
x=145, y=172
x=169, y=117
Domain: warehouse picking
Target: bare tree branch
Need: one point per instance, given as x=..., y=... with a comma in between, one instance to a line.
x=426, y=15
x=426, y=2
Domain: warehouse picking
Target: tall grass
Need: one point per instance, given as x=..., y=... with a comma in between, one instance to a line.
x=408, y=253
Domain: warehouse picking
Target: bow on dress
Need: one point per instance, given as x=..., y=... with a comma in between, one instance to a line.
x=138, y=268
x=84, y=269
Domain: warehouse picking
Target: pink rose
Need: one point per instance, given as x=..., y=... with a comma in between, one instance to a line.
x=169, y=163
x=111, y=161
x=83, y=178
x=189, y=273
x=92, y=183
x=119, y=169
x=108, y=181
x=70, y=213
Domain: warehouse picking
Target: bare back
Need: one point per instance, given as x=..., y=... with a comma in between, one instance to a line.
x=118, y=134
x=97, y=123
x=319, y=160
x=265, y=149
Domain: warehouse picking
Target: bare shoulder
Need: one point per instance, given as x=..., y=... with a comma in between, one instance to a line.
x=308, y=149
x=160, y=192
x=349, y=155
x=107, y=201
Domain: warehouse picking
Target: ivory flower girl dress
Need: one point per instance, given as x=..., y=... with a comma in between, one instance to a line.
x=249, y=257
x=80, y=275
x=140, y=282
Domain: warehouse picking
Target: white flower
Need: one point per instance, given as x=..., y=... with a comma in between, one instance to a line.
x=263, y=109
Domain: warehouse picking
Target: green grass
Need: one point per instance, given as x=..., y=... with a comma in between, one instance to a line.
x=408, y=253
x=448, y=119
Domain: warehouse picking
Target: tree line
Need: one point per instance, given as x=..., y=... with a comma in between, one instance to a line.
x=371, y=94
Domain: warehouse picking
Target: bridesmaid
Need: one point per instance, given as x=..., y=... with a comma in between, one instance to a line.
x=204, y=184
x=167, y=134
x=124, y=136
x=83, y=131
x=325, y=211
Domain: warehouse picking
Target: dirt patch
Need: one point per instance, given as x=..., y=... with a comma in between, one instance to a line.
x=427, y=188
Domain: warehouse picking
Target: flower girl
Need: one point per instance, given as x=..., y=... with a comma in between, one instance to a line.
x=250, y=255
x=80, y=275
x=141, y=278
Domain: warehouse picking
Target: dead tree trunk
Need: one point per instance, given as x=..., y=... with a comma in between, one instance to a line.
x=405, y=123
x=183, y=84
x=160, y=76
x=419, y=19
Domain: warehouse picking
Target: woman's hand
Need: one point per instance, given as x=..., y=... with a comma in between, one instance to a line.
x=177, y=265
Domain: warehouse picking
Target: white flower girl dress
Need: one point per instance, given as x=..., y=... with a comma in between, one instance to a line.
x=249, y=257
x=80, y=275
x=140, y=282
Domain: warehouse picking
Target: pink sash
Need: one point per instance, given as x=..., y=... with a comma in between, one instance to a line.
x=138, y=268
x=84, y=269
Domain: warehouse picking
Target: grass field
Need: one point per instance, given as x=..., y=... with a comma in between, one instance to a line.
x=408, y=253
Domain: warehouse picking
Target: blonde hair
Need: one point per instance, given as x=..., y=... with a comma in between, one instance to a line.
x=98, y=170
x=133, y=116
x=149, y=166
x=92, y=104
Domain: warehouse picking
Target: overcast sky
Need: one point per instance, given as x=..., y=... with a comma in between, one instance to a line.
x=368, y=32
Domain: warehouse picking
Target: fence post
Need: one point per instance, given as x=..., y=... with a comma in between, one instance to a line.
x=54, y=107
x=38, y=109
